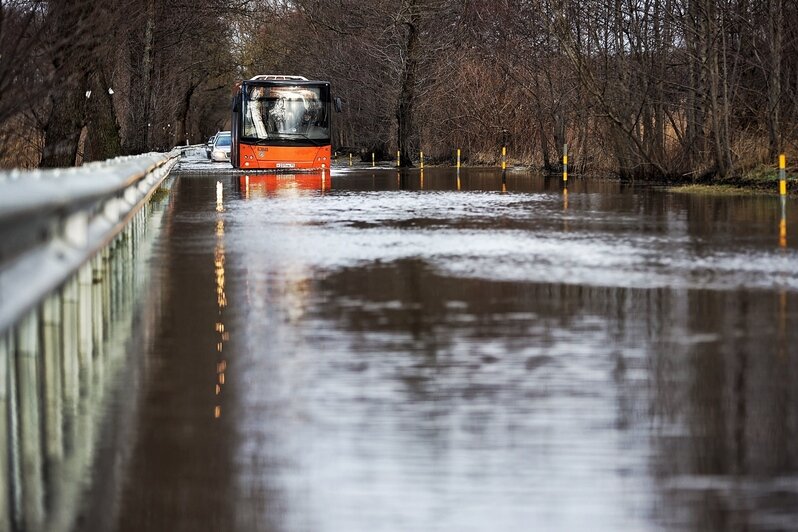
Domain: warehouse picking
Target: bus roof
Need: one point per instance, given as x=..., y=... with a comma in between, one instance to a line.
x=277, y=77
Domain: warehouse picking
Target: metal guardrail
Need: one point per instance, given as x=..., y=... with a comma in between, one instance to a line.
x=73, y=249
x=53, y=221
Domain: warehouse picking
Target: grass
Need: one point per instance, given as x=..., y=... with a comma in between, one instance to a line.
x=715, y=190
x=758, y=180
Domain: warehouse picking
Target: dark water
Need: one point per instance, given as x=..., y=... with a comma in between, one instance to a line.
x=370, y=352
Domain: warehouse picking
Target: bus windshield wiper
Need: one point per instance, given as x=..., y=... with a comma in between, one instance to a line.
x=304, y=136
x=257, y=140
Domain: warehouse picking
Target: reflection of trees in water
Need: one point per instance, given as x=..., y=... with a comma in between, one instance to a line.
x=715, y=397
x=731, y=419
x=413, y=308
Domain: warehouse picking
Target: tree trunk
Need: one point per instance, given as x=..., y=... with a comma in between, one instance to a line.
x=695, y=34
x=559, y=135
x=182, y=114
x=62, y=130
x=68, y=102
x=544, y=148
x=407, y=97
x=774, y=76
x=103, y=129
x=661, y=39
x=720, y=134
x=140, y=97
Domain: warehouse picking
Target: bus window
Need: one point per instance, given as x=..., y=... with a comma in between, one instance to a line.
x=285, y=113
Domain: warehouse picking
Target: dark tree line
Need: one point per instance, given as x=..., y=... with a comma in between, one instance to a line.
x=685, y=89
x=690, y=89
x=91, y=79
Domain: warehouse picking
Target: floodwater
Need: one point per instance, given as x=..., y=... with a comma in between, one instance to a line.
x=382, y=351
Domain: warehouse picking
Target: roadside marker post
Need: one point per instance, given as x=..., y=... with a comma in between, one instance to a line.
x=782, y=174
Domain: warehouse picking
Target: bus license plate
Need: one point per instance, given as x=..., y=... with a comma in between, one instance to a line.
x=285, y=165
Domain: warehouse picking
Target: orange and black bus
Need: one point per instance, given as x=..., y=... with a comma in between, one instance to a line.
x=281, y=123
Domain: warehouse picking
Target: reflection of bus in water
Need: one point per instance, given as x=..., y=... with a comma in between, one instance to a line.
x=281, y=122
x=262, y=185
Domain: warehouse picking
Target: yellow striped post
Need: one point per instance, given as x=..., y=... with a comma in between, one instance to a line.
x=421, y=155
x=458, y=157
x=504, y=157
x=373, y=163
x=565, y=163
x=398, y=158
x=782, y=174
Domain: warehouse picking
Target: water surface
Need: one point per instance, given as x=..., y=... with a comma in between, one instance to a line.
x=381, y=351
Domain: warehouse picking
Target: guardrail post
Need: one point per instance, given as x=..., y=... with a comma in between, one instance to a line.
x=117, y=269
x=52, y=351
x=70, y=362
x=97, y=315
x=106, y=285
x=85, y=333
x=5, y=436
x=32, y=491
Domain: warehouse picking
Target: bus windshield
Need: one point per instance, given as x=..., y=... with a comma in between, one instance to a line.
x=285, y=113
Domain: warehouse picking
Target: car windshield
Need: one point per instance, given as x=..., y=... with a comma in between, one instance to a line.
x=286, y=113
x=223, y=140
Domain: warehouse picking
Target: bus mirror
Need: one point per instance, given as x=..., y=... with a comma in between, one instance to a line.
x=338, y=105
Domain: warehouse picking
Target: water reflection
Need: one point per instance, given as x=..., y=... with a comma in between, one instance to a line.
x=783, y=223
x=461, y=381
x=221, y=297
x=263, y=185
x=725, y=447
x=176, y=466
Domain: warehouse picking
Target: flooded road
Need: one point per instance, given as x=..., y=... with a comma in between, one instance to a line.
x=384, y=351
